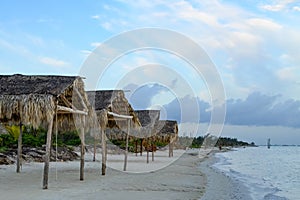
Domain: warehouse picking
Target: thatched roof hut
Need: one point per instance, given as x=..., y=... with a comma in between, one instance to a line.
x=167, y=129
x=148, y=117
x=32, y=99
x=116, y=117
x=113, y=101
x=156, y=130
x=36, y=100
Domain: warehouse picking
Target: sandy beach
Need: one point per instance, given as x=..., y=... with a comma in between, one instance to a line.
x=180, y=180
x=189, y=177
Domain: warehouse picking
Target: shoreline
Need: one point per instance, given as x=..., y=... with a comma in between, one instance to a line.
x=219, y=185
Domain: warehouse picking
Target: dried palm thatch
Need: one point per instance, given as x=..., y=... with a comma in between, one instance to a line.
x=112, y=101
x=32, y=99
x=148, y=119
x=166, y=130
x=35, y=100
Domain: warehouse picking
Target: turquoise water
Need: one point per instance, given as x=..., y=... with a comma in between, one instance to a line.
x=268, y=173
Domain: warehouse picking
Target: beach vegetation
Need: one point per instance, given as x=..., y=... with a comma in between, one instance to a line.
x=36, y=137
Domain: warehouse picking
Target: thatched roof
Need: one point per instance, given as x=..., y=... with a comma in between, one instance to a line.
x=32, y=98
x=166, y=128
x=39, y=85
x=112, y=101
x=148, y=117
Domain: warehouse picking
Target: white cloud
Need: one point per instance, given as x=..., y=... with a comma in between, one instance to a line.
x=106, y=25
x=188, y=12
x=53, y=62
x=296, y=8
x=278, y=6
x=264, y=24
x=95, y=44
x=286, y=74
x=96, y=17
x=253, y=40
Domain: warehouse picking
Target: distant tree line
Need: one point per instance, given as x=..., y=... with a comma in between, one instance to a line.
x=222, y=141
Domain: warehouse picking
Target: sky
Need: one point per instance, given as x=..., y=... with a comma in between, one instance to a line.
x=254, y=46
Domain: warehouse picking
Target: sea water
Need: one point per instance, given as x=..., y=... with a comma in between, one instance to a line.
x=267, y=173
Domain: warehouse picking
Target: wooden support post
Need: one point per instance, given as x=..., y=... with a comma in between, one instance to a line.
x=170, y=147
x=94, y=157
x=141, y=147
x=126, y=148
x=47, y=156
x=152, y=145
x=19, y=156
x=103, y=146
x=136, y=148
x=82, y=152
x=147, y=148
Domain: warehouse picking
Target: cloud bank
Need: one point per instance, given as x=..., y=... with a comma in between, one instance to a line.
x=256, y=110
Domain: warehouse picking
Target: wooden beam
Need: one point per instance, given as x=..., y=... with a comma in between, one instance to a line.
x=117, y=119
x=47, y=156
x=81, y=99
x=120, y=116
x=70, y=110
x=68, y=103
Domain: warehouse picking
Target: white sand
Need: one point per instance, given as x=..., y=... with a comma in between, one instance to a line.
x=180, y=180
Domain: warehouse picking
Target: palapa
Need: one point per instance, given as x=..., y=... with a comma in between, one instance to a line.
x=147, y=132
x=36, y=99
x=167, y=130
x=113, y=108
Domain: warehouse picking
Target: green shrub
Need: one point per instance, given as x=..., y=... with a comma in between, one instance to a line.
x=7, y=140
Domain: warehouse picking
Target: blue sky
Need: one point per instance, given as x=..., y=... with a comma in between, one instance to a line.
x=253, y=44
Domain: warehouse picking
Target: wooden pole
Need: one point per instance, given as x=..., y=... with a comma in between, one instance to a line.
x=126, y=148
x=47, y=156
x=152, y=145
x=56, y=134
x=141, y=147
x=103, y=142
x=147, y=148
x=94, y=157
x=82, y=152
x=19, y=156
x=136, y=148
x=170, y=147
